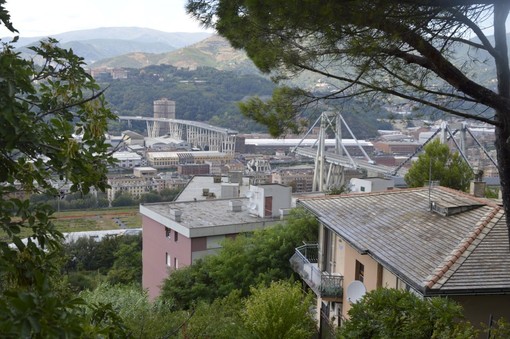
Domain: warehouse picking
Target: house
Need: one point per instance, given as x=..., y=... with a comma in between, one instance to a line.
x=431, y=241
x=128, y=159
x=177, y=234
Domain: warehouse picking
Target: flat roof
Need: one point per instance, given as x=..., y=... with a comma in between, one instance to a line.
x=145, y=169
x=126, y=156
x=302, y=142
x=194, y=153
x=206, y=217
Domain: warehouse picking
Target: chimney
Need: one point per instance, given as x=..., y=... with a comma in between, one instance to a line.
x=175, y=214
x=236, y=205
x=477, y=188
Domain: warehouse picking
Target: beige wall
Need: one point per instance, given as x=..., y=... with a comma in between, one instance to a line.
x=389, y=280
x=343, y=261
x=371, y=276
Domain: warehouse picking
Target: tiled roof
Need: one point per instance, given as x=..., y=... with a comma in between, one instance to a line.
x=463, y=249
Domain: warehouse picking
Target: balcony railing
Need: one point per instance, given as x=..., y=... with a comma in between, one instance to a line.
x=326, y=285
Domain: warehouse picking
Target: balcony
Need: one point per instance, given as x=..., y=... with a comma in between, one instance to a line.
x=327, y=286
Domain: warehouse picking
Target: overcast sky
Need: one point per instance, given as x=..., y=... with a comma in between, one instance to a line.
x=48, y=17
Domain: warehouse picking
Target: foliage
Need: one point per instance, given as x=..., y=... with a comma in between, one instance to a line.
x=428, y=53
x=498, y=329
x=491, y=193
x=404, y=50
x=117, y=257
x=276, y=113
x=203, y=94
x=392, y=313
x=126, y=199
x=42, y=108
x=169, y=194
x=143, y=318
x=243, y=262
x=279, y=311
x=71, y=201
x=338, y=190
x=438, y=162
x=218, y=319
x=127, y=267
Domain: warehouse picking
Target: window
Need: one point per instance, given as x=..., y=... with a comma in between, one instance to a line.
x=176, y=236
x=176, y=263
x=359, y=272
x=168, y=260
x=362, y=189
x=167, y=232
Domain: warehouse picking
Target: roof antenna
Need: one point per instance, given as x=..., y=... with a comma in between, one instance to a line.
x=430, y=183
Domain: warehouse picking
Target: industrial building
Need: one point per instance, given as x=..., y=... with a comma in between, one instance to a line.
x=173, y=159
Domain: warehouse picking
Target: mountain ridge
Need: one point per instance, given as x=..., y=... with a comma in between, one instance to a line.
x=107, y=42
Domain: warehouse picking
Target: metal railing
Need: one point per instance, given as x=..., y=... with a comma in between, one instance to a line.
x=324, y=284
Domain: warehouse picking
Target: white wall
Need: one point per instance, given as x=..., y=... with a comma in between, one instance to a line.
x=370, y=185
x=281, y=198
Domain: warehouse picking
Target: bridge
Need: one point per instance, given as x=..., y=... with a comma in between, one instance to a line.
x=330, y=165
x=198, y=134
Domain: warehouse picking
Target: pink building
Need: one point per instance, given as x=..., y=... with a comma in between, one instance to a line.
x=178, y=233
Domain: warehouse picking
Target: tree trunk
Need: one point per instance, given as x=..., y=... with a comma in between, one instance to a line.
x=501, y=11
x=503, y=151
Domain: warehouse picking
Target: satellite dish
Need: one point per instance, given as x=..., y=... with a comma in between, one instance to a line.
x=249, y=194
x=252, y=206
x=355, y=291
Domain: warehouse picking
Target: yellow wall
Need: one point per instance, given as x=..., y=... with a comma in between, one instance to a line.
x=370, y=281
x=389, y=280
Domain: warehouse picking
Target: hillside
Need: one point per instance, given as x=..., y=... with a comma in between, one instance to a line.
x=205, y=94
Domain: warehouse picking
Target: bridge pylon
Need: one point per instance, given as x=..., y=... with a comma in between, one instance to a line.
x=335, y=172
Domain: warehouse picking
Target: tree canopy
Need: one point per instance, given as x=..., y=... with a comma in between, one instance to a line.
x=242, y=263
x=52, y=124
x=438, y=163
x=392, y=313
x=429, y=52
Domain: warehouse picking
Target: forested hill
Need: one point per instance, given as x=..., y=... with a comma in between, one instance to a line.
x=205, y=94
x=208, y=95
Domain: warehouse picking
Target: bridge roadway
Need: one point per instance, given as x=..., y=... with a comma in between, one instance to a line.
x=345, y=161
x=198, y=124
x=198, y=134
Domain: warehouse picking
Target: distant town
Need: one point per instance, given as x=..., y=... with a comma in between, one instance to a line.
x=175, y=150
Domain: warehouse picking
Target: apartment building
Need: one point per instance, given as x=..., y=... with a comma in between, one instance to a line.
x=435, y=243
x=143, y=180
x=177, y=234
x=300, y=178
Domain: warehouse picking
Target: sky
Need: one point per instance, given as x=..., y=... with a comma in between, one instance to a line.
x=49, y=17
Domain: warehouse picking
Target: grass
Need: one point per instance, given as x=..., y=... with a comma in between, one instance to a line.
x=92, y=220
